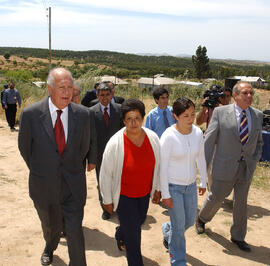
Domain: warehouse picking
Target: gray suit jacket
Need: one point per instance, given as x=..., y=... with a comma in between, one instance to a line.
x=38, y=147
x=222, y=132
x=103, y=132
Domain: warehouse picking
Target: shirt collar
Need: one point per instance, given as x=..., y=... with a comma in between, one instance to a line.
x=53, y=108
x=162, y=110
x=239, y=110
x=102, y=107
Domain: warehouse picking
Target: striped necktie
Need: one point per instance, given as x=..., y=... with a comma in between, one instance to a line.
x=243, y=130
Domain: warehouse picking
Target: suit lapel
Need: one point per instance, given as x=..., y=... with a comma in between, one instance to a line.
x=231, y=120
x=99, y=115
x=253, y=123
x=46, y=121
x=72, y=116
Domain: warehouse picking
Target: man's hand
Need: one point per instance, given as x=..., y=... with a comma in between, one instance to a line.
x=156, y=197
x=108, y=208
x=201, y=191
x=5, y=107
x=90, y=167
x=168, y=203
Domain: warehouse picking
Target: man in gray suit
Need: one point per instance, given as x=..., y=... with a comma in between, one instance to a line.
x=107, y=123
x=54, y=140
x=236, y=131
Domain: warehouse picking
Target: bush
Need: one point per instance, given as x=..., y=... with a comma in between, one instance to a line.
x=18, y=75
x=192, y=93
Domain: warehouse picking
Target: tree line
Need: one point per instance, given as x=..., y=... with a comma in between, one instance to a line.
x=126, y=65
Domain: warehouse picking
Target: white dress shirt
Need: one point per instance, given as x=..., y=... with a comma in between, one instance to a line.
x=103, y=107
x=64, y=116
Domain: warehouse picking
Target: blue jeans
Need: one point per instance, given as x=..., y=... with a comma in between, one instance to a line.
x=182, y=216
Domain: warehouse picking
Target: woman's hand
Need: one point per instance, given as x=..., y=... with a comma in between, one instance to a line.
x=108, y=208
x=168, y=203
x=201, y=191
x=156, y=197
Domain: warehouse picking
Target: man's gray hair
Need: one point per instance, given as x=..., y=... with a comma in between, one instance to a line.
x=77, y=84
x=236, y=86
x=103, y=86
x=51, y=79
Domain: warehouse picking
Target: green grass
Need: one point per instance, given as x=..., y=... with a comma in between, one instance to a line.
x=261, y=178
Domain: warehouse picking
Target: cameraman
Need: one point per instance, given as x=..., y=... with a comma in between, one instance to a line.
x=216, y=96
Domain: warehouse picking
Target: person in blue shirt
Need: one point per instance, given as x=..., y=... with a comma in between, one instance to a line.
x=159, y=118
x=11, y=97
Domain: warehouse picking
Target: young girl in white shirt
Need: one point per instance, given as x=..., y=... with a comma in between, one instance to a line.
x=182, y=148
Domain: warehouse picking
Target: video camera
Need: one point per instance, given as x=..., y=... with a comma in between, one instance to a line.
x=266, y=120
x=213, y=94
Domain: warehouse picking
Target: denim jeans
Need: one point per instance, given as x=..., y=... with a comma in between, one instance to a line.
x=182, y=216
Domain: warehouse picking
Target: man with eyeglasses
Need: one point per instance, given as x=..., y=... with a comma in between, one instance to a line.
x=236, y=132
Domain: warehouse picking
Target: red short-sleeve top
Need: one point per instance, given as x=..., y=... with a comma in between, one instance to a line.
x=138, y=168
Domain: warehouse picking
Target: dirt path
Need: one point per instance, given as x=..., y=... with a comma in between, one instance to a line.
x=21, y=239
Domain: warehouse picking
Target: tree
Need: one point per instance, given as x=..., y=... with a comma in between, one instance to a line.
x=201, y=63
x=7, y=56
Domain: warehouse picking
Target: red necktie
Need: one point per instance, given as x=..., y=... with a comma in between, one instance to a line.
x=59, y=133
x=106, y=116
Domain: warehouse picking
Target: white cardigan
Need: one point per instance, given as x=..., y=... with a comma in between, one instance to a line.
x=112, y=166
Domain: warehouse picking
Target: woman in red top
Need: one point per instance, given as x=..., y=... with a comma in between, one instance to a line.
x=129, y=174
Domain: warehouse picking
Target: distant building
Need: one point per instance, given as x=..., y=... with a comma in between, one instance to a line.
x=156, y=81
x=254, y=81
x=113, y=79
x=192, y=84
x=39, y=83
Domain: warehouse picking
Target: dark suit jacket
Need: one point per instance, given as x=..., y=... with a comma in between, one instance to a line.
x=103, y=132
x=117, y=99
x=38, y=147
x=88, y=97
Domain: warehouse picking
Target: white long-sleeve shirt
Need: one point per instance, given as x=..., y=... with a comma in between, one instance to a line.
x=179, y=155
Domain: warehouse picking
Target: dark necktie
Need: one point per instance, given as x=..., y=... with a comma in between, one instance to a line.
x=106, y=116
x=243, y=130
x=59, y=133
x=166, y=122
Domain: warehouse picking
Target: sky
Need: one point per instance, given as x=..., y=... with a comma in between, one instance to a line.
x=235, y=29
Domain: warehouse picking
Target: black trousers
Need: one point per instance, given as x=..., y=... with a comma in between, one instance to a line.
x=98, y=165
x=51, y=221
x=132, y=214
x=11, y=114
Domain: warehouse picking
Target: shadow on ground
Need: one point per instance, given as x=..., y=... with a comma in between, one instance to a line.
x=259, y=254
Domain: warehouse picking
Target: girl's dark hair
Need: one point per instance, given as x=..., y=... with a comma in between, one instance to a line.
x=132, y=105
x=181, y=105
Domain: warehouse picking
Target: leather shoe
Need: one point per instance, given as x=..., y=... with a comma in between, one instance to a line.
x=165, y=243
x=106, y=215
x=200, y=226
x=46, y=257
x=63, y=234
x=243, y=245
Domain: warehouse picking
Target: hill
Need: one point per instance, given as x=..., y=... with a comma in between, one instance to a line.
x=126, y=65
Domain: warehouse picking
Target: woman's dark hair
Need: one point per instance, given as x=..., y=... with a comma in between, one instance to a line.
x=132, y=105
x=181, y=105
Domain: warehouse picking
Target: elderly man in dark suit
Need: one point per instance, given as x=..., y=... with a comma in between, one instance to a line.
x=107, y=123
x=236, y=132
x=55, y=141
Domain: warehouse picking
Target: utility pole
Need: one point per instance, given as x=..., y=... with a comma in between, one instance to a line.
x=50, y=40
